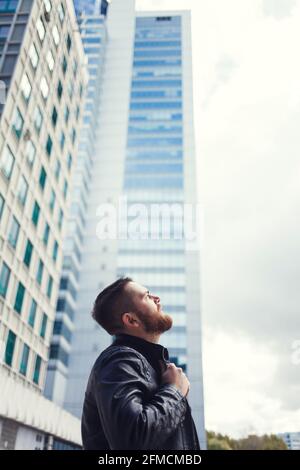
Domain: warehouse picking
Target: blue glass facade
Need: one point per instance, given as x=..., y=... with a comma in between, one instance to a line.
x=154, y=166
x=90, y=7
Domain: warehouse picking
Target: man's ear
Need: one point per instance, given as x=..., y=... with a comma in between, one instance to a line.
x=129, y=319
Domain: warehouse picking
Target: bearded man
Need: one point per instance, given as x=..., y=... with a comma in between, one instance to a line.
x=135, y=398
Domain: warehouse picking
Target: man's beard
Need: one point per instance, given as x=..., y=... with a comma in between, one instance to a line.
x=155, y=324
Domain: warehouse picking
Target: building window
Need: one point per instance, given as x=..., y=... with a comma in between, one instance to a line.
x=43, y=326
x=18, y=122
x=48, y=5
x=55, y=35
x=25, y=7
x=63, y=306
x=14, y=232
x=44, y=87
x=32, y=313
x=50, y=60
x=34, y=57
x=38, y=119
x=52, y=200
x=46, y=234
x=59, y=90
x=17, y=34
x=37, y=369
x=54, y=116
x=65, y=189
x=61, y=12
x=69, y=161
x=49, y=287
x=64, y=65
x=10, y=346
x=4, y=30
x=62, y=140
x=42, y=179
x=19, y=298
x=7, y=162
x=71, y=90
x=55, y=251
x=57, y=352
x=40, y=29
x=60, y=219
x=30, y=152
x=67, y=114
x=1, y=205
x=28, y=253
x=61, y=329
x=9, y=64
x=69, y=43
x=89, y=40
x=77, y=112
x=22, y=190
x=57, y=169
x=73, y=136
x=25, y=87
x=75, y=68
x=4, y=279
x=40, y=270
x=49, y=145
x=24, y=360
x=35, y=213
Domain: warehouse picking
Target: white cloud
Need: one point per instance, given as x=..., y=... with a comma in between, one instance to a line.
x=278, y=8
x=237, y=372
x=249, y=176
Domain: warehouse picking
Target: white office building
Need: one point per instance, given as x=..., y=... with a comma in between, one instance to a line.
x=292, y=440
x=42, y=65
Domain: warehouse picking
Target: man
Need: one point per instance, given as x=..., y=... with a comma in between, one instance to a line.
x=135, y=398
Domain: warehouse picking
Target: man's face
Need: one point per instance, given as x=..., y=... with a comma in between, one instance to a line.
x=148, y=309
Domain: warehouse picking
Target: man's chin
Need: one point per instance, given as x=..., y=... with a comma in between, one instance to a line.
x=157, y=324
x=167, y=322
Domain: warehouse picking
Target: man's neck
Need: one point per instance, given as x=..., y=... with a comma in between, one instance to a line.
x=151, y=338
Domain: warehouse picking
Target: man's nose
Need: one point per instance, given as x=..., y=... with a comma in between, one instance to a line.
x=156, y=299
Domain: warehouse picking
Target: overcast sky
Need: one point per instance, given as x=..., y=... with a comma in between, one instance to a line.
x=247, y=121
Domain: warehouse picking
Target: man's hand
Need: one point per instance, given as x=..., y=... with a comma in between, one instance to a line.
x=175, y=376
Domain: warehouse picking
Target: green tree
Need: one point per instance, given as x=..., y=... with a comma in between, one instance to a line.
x=218, y=444
x=252, y=442
x=265, y=442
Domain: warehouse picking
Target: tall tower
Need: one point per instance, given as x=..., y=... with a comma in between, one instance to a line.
x=159, y=173
x=144, y=152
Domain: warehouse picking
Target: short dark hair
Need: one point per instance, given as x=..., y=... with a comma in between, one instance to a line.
x=111, y=304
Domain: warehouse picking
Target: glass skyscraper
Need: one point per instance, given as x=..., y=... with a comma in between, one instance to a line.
x=143, y=154
x=153, y=172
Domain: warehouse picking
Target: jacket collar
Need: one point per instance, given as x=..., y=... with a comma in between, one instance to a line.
x=151, y=351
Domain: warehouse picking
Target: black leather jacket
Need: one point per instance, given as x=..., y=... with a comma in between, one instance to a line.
x=127, y=408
